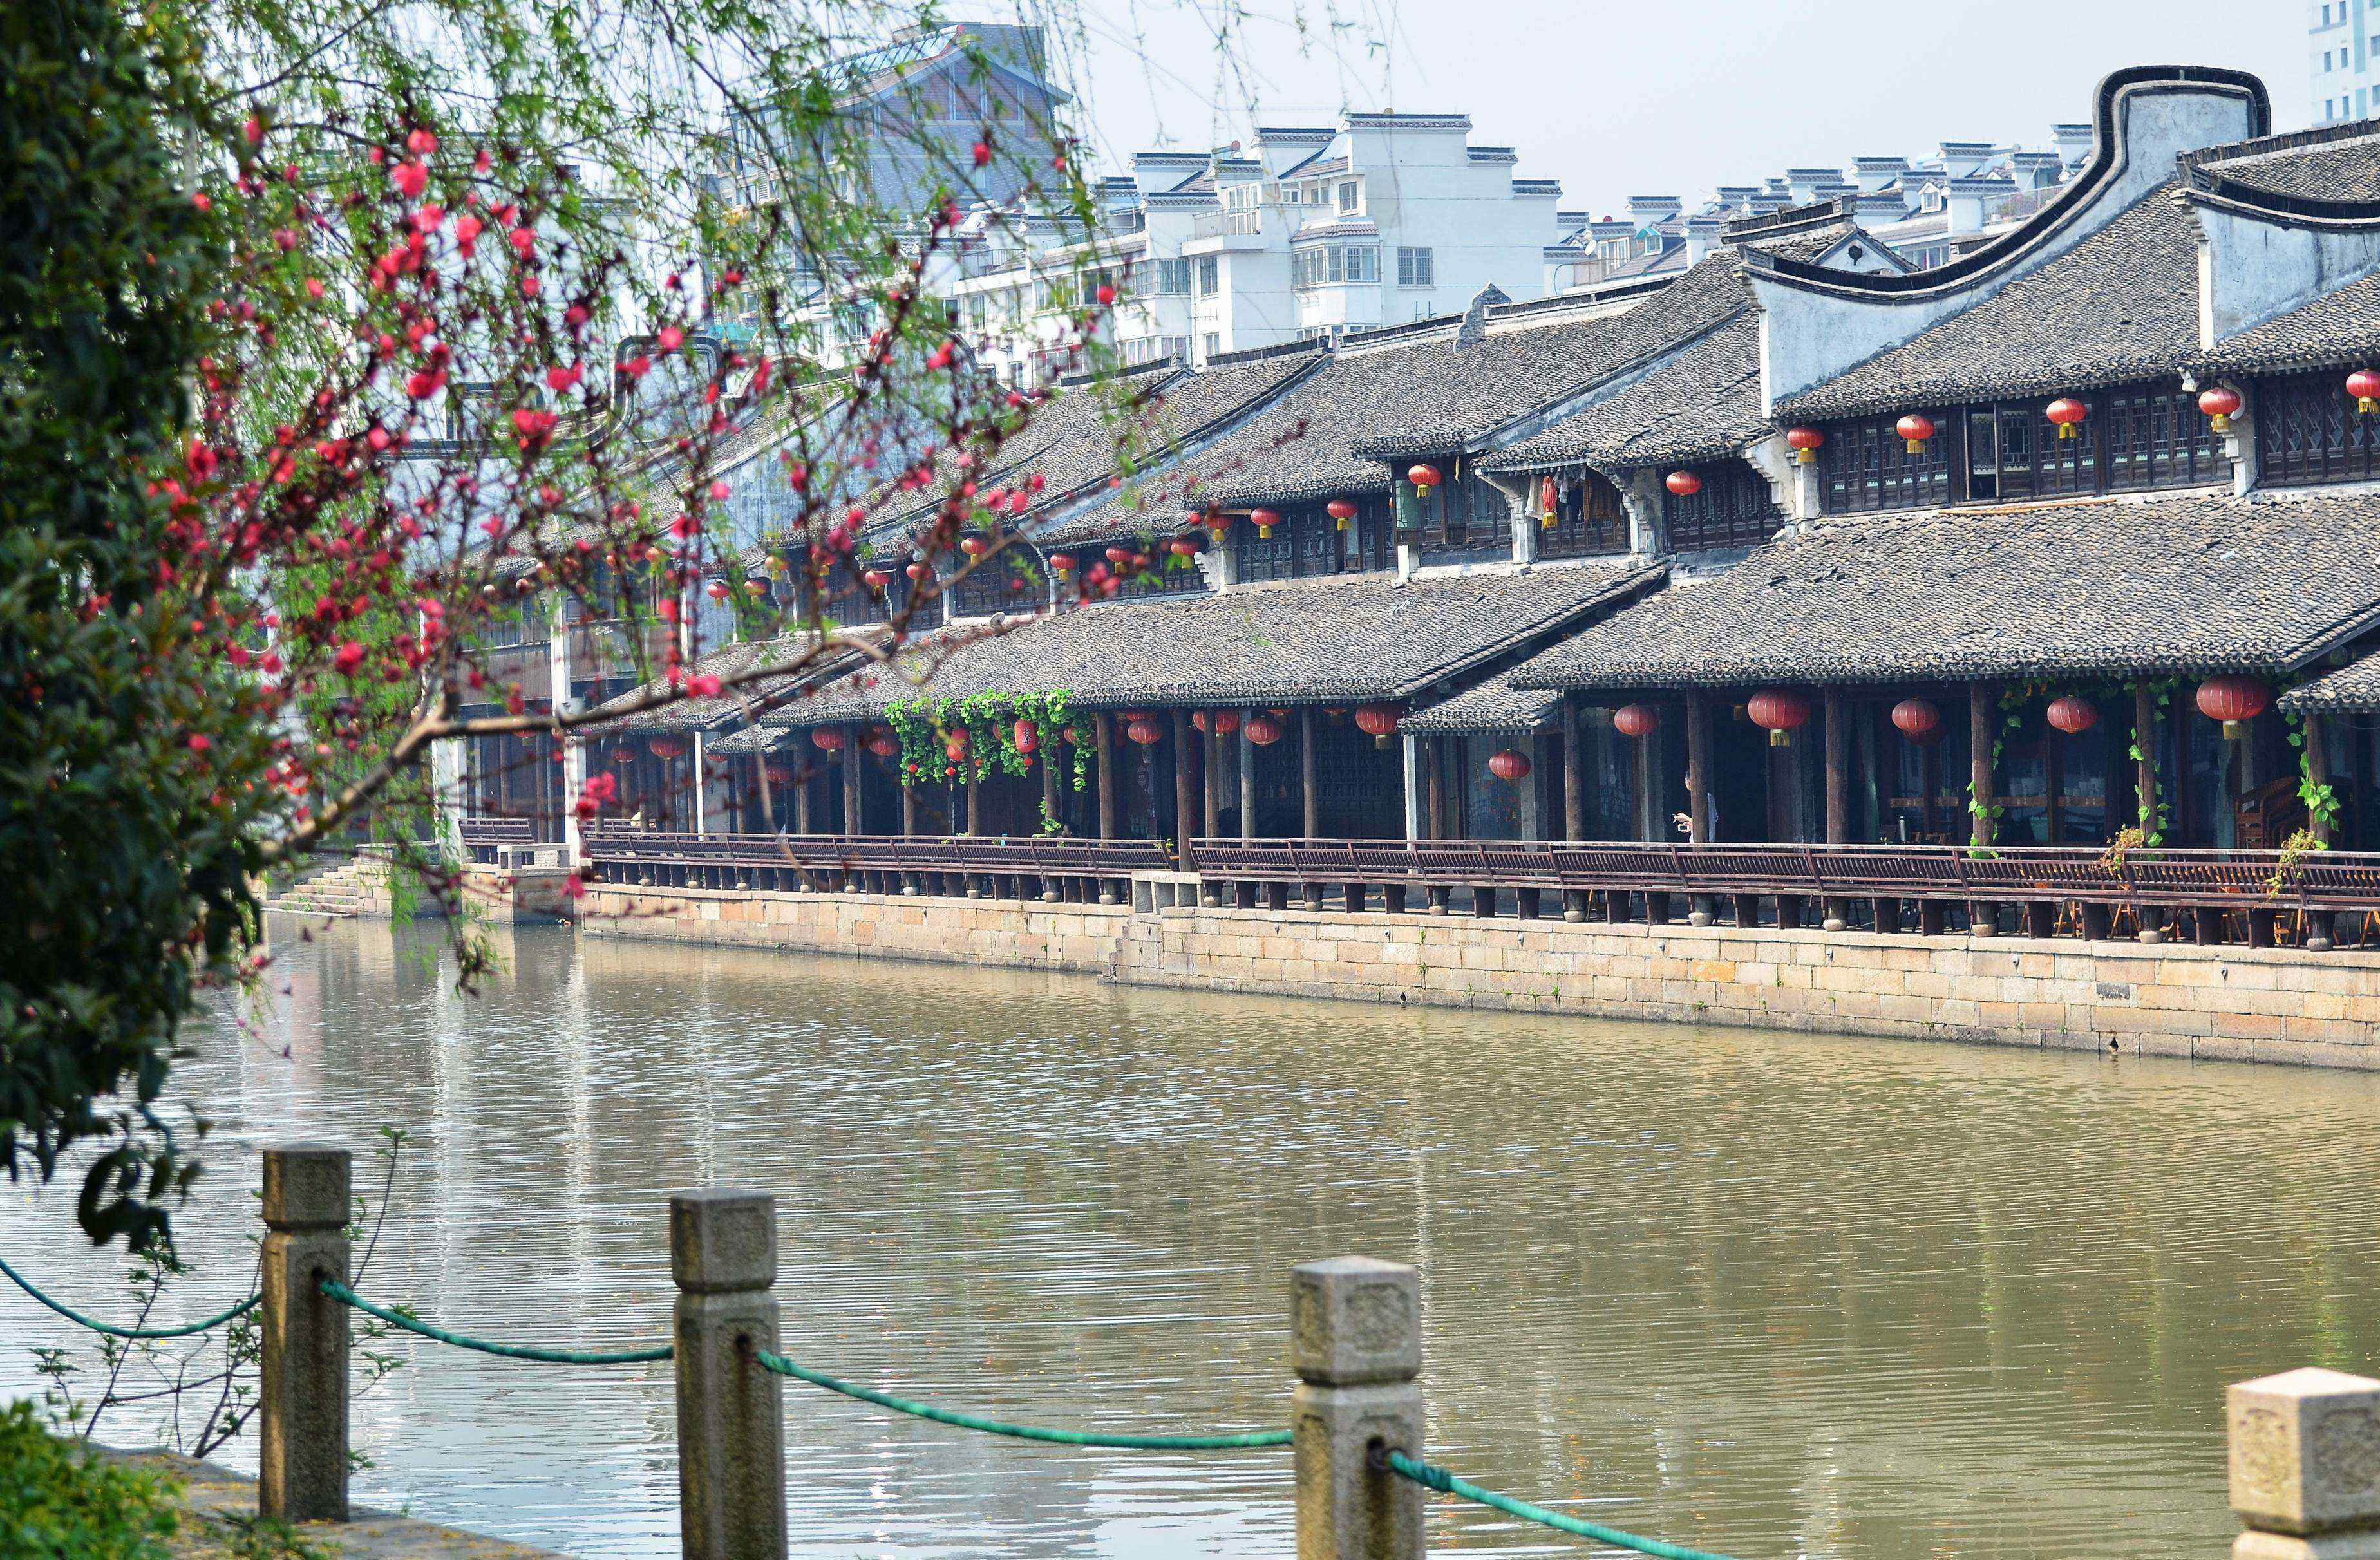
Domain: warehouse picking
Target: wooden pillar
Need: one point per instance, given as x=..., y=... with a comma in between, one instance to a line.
x=1697, y=770
x=910, y=809
x=1434, y=759
x=801, y=783
x=1574, y=776
x=851, y=819
x=1049, y=756
x=1839, y=768
x=974, y=800
x=1211, y=773
x=2053, y=770
x=1103, y=753
x=1307, y=793
x=1185, y=785
x=1247, y=785
x=1983, y=702
x=2144, y=739
x=2317, y=768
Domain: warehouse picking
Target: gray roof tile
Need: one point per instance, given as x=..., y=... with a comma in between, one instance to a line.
x=1703, y=404
x=1493, y=705
x=2183, y=583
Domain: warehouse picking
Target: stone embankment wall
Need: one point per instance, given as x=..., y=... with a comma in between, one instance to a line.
x=2230, y=1003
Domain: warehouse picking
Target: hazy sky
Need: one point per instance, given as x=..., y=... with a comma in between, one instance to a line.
x=1661, y=98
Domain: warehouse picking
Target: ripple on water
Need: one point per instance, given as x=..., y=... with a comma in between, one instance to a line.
x=1774, y=1295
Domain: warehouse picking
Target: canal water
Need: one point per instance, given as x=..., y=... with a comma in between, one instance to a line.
x=1773, y=1295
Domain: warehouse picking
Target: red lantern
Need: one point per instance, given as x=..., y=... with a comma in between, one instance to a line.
x=1914, y=429
x=1222, y=722
x=779, y=774
x=1917, y=719
x=1143, y=729
x=1341, y=511
x=828, y=738
x=1424, y=477
x=2235, y=701
x=955, y=744
x=1548, y=504
x=1063, y=563
x=1805, y=443
x=2364, y=386
x=716, y=590
x=667, y=747
x=2067, y=414
x=2221, y=403
x=1119, y=556
x=1509, y=765
x=2073, y=716
x=1685, y=484
x=1264, y=520
x=755, y=588
x=919, y=572
x=877, y=578
x=1378, y=721
x=1214, y=521
x=1182, y=547
x=1778, y=711
x=1634, y=720
x=973, y=547
x=1263, y=729
x=1028, y=737
x=884, y=743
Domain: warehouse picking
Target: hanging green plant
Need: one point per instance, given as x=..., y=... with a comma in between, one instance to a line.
x=924, y=728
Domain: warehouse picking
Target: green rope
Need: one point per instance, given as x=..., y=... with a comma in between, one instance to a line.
x=96, y=1325
x=346, y=1296
x=1446, y=1484
x=786, y=1366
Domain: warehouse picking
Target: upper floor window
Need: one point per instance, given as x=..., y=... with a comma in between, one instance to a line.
x=1589, y=517
x=1348, y=195
x=2308, y=431
x=1308, y=541
x=1732, y=508
x=1868, y=465
x=1464, y=515
x=1171, y=278
x=1007, y=581
x=2132, y=438
x=1167, y=574
x=1320, y=264
x=1210, y=276
x=1415, y=268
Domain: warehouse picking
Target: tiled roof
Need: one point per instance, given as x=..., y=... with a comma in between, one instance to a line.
x=1084, y=436
x=1344, y=639
x=2186, y=582
x=2352, y=689
x=729, y=707
x=2340, y=170
x=1703, y=404
x=1494, y=706
x=1424, y=396
x=2340, y=328
x=1449, y=394
x=2120, y=305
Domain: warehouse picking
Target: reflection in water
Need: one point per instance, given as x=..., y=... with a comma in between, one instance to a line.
x=1775, y=1295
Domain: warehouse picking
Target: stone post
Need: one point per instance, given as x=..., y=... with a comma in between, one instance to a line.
x=301, y=1438
x=2305, y=1466
x=1354, y=1341
x=731, y=1427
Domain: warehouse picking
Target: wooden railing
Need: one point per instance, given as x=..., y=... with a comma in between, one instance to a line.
x=483, y=839
x=1029, y=867
x=2078, y=887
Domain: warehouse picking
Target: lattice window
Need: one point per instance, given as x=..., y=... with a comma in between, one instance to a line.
x=1733, y=508
x=2013, y=452
x=1166, y=576
x=1264, y=558
x=2159, y=439
x=1589, y=517
x=1008, y=581
x=1868, y=465
x=2308, y=431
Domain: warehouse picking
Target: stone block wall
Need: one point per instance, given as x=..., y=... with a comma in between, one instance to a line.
x=2277, y=1004
x=1081, y=939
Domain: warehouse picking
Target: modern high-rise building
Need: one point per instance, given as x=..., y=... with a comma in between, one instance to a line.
x=2342, y=59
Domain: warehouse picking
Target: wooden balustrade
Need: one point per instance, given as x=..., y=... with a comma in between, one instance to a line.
x=2211, y=895
x=483, y=840
x=1033, y=867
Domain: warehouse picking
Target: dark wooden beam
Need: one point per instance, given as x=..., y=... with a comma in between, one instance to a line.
x=1103, y=755
x=1433, y=749
x=1698, y=771
x=1574, y=774
x=1982, y=704
x=1839, y=768
x=2317, y=770
x=1308, y=794
x=1185, y=784
x=852, y=737
x=2144, y=774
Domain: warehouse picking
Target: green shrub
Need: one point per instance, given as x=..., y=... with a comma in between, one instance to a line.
x=58, y=1501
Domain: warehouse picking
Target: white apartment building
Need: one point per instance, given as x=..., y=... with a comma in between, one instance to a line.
x=2342, y=59
x=1312, y=232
